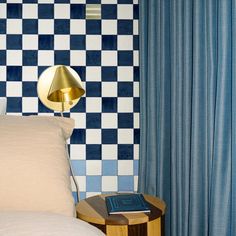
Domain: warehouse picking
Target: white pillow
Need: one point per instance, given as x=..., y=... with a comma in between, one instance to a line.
x=34, y=169
x=3, y=106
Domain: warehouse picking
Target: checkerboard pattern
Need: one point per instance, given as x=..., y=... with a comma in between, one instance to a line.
x=36, y=34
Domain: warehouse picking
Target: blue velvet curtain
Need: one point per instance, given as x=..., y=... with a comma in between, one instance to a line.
x=188, y=113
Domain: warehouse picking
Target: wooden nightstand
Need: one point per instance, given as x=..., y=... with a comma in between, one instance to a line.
x=94, y=211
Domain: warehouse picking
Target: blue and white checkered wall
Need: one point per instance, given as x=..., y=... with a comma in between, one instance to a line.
x=36, y=34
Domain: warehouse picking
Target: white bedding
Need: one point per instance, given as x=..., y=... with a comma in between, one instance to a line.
x=44, y=224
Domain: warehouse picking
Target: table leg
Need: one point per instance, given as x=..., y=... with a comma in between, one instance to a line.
x=154, y=227
x=121, y=230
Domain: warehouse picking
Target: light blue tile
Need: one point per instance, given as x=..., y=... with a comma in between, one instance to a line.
x=109, y=167
x=126, y=183
x=79, y=167
x=93, y=183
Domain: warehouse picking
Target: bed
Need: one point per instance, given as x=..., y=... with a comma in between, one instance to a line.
x=35, y=189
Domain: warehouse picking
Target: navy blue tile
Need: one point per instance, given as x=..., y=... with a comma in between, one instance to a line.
x=125, y=120
x=109, y=136
x=45, y=11
x=62, y=1
x=41, y=69
x=46, y=42
x=80, y=106
x=30, y=58
x=136, y=42
x=109, y=11
x=136, y=11
x=2, y=57
x=93, y=58
x=93, y=26
x=109, y=104
x=42, y=108
x=61, y=26
x=93, y=152
x=136, y=136
x=93, y=89
x=78, y=136
x=136, y=73
x=136, y=104
x=93, y=1
x=109, y=73
x=29, y=89
x=93, y=120
x=125, y=58
x=109, y=42
x=14, y=41
x=29, y=113
x=81, y=71
x=2, y=89
x=14, y=104
x=14, y=73
x=125, y=27
x=62, y=57
x=125, y=2
x=125, y=152
x=77, y=11
x=2, y=26
x=125, y=89
x=14, y=10
x=30, y=1
x=77, y=42
x=30, y=26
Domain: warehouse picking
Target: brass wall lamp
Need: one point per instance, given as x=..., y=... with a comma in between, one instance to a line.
x=60, y=88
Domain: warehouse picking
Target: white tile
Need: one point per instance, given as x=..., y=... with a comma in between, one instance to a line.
x=93, y=73
x=14, y=89
x=93, y=167
x=77, y=152
x=125, y=167
x=3, y=42
x=77, y=57
x=14, y=57
x=3, y=11
x=109, y=58
x=136, y=151
x=125, y=136
x=77, y=1
x=45, y=26
x=80, y=119
x=109, y=89
x=135, y=183
x=125, y=42
x=3, y=73
x=93, y=136
x=91, y=194
x=30, y=11
x=45, y=58
x=93, y=104
x=29, y=104
x=81, y=180
x=61, y=11
x=78, y=27
x=45, y=1
x=135, y=27
x=125, y=11
x=109, y=184
x=136, y=58
x=109, y=152
x=93, y=42
x=109, y=27
x=29, y=42
x=136, y=89
x=109, y=120
x=136, y=120
x=125, y=73
x=109, y=1
x=125, y=104
x=61, y=42
x=14, y=26
x=29, y=73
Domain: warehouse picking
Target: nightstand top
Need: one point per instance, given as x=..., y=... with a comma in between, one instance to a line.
x=93, y=210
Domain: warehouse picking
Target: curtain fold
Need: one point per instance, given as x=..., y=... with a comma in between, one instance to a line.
x=188, y=113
